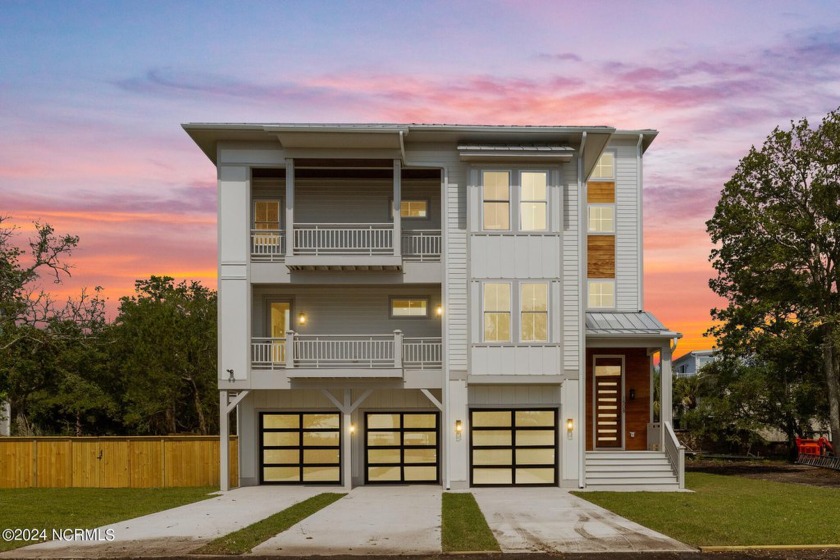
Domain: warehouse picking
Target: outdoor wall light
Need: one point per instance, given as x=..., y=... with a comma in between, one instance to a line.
x=230, y=375
x=352, y=428
x=570, y=427
x=439, y=311
x=459, y=429
x=301, y=318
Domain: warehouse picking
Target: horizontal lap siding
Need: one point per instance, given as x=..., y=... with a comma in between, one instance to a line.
x=627, y=216
x=572, y=321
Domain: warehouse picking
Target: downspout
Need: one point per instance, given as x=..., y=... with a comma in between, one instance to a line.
x=402, y=145
x=582, y=314
x=640, y=231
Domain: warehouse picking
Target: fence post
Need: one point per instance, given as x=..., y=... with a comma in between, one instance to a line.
x=290, y=349
x=398, y=348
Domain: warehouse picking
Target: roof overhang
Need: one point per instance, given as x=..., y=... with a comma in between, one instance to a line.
x=639, y=326
x=516, y=154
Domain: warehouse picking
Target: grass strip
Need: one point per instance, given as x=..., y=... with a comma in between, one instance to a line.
x=84, y=508
x=732, y=511
x=463, y=527
x=248, y=537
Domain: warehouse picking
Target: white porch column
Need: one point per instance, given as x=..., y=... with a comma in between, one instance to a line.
x=397, y=204
x=666, y=408
x=290, y=206
x=224, y=445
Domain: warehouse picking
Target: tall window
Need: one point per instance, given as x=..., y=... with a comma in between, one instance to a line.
x=605, y=168
x=602, y=219
x=496, y=312
x=267, y=214
x=601, y=294
x=496, y=196
x=533, y=202
x=533, y=304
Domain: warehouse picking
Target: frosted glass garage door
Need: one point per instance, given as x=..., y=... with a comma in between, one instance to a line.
x=300, y=447
x=401, y=447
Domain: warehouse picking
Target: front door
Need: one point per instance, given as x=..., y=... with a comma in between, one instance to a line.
x=280, y=322
x=609, y=392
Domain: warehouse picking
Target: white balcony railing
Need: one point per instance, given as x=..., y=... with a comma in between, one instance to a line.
x=346, y=352
x=422, y=353
x=343, y=239
x=268, y=245
x=421, y=245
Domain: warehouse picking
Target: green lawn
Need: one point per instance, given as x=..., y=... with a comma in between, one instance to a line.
x=248, y=537
x=463, y=527
x=733, y=510
x=84, y=508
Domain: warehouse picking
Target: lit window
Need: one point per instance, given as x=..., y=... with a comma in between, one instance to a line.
x=496, y=312
x=601, y=294
x=601, y=219
x=496, y=196
x=413, y=209
x=409, y=307
x=605, y=168
x=267, y=214
x=533, y=202
x=533, y=302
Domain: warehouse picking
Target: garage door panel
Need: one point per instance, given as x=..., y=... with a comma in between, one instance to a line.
x=384, y=474
x=281, y=474
x=281, y=439
x=420, y=474
x=289, y=421
x=420, y=455
x=513, y=447
x=300, y=447
x=281, y=456
x=420, y=438
x=401, y=447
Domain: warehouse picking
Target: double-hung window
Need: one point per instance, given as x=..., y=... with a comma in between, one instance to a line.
x=496, y=200
x=496, y=307
x=533, y=201
x=266, y=240
x=533, y=304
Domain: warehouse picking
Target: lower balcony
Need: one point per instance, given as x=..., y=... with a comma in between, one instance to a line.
x=346, y=356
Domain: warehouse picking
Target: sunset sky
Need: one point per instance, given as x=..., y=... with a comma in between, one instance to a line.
x=92, y=96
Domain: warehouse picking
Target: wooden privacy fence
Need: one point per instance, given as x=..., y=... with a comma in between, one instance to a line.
x=113, y=462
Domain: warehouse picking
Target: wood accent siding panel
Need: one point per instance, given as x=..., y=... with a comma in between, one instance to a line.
x=627, y=217
x=570, y=273
x=515, y=360
x=637, y=411
x=515, y=256
x=600, y=256
x=600, y=192
x=348, y=310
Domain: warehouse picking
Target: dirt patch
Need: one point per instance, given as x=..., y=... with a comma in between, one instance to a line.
x=769, y=470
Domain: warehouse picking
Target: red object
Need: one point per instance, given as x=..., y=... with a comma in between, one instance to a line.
x=817, y=447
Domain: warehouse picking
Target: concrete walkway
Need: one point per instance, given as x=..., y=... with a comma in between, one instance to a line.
x=179, y=530
x=369, y=520
x=552, y=520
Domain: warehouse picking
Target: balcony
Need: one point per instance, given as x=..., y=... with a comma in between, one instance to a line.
x=333, y=246
x=364, y=356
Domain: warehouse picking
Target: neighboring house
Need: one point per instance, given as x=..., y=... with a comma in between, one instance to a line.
x=443, y=304
x=691, y=363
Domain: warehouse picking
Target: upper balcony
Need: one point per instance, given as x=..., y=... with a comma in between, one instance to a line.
x=316, y=218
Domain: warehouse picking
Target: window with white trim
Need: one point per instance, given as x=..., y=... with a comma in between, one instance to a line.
x=267, y=214
x=412, y=209
x=533, y=201
x=496, y=200
x=409, y=307
x=496, y=311
x=533, y=305
x=601, y=294
x=601, y=218
x=605, y=168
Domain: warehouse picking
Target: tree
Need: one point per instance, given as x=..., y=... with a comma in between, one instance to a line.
x=164, y=344
x=777, y=227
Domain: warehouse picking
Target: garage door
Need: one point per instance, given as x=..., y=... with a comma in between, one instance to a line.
x=513, y=447
x=300, y=447
x=401, y=447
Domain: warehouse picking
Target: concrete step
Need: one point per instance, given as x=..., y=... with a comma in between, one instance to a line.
x=612, y=475
x=633, y=487
x=608, y=462
x=639, y=480
x=624, y=454
x=632, y=467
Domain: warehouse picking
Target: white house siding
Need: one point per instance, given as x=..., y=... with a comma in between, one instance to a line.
x=570, y=273
x=515, y=360
x=514, y=395
x=627, y=216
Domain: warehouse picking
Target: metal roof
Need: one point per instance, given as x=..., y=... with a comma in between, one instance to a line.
x=640, y=323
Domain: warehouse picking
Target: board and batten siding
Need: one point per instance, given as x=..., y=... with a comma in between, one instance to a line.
x=348, y=310
x=627, y=217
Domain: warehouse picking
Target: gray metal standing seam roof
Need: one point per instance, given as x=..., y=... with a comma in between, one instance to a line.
x=638, y=323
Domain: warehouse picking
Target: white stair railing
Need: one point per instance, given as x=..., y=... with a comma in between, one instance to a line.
x=343, y=239
x=675, y=452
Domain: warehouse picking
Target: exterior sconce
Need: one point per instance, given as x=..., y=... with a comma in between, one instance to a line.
x=439, y=311
x=459, y=429
x=352, y=429
x=230, y=375
x=570, y=427
x=301, y=318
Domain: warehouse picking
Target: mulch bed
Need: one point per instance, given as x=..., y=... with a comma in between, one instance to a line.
x=769, y=470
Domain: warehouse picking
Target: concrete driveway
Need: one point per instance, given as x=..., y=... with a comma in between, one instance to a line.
x=552, y=520
x=369, y=520
x=179, y=530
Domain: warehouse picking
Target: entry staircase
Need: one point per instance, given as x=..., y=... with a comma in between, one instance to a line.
x=630, y=470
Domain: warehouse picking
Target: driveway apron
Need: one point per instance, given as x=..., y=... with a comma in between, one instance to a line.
x=179, y=530
x=369, y=520
x=552, y=520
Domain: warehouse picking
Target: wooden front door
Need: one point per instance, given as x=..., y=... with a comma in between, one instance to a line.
x=609, y=399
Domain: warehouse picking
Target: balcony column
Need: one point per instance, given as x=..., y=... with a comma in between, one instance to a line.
x=290, y=349
x=396, y=210
x=290, y=206
x=398, y=349
x=666, y=410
